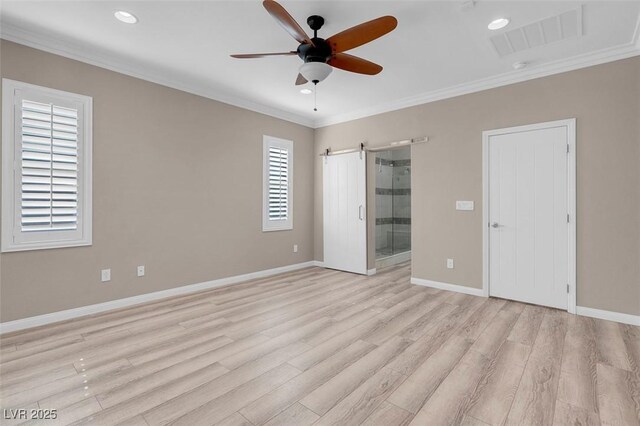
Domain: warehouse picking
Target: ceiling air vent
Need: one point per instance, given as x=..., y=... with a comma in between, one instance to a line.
x=546, y=31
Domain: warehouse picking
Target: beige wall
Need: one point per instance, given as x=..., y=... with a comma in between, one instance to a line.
x=152, y=143
x=177, y=187
x=605, y=100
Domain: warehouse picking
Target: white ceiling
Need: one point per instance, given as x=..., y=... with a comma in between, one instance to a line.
x=439, y=49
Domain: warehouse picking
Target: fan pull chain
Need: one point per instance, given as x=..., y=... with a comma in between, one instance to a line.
x=315, y=96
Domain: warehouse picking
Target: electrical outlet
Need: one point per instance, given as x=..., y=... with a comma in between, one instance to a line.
x=141, y=271
x=449, y=263
x=105, y=275
x=295, y=248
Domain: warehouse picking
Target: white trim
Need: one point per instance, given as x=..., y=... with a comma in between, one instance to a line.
x=22, y=324
x=371, y=271
x=39, y=320
x=572, y=206
x=88, y=55
x=318, y=263
x=485, y=216
x=449, y=287
x=111, y=62
x=609, y=315
x=581, y=310
x=83, y=236
x=570, y=124
x=625, y=51
x=394, y=259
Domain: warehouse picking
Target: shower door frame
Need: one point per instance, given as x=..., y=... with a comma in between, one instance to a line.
x=407, y=253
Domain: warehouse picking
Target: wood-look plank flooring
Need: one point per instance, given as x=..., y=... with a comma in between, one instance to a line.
x=323, y=347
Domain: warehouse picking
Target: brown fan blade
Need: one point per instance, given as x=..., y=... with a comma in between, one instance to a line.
x=352, y=63
x=262, y=55
x=286, y=21
x=361, y=34
x=300, y=80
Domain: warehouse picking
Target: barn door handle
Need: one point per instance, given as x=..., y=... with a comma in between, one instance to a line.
x=361, y=212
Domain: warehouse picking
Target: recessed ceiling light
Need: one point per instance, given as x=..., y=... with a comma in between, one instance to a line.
x=126, y=17
x=306, y=91
x=520, y=65
x=498, y=23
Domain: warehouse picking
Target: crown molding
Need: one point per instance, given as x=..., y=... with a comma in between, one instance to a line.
x=623, y=51
x=85, y=54
x=627, y=50
x=38, y=41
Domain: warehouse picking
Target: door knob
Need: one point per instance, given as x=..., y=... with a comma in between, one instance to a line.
x=495, y=225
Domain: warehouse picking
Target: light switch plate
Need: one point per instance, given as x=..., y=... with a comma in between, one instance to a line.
x=464, y=205
x=449, y=263
x=141, y=271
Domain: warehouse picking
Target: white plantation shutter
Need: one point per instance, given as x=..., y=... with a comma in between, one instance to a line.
x=278, y=155
x=49, y=147
x=278, y=183
x=46, y=188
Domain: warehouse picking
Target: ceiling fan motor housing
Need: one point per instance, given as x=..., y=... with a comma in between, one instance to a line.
x=321, y=52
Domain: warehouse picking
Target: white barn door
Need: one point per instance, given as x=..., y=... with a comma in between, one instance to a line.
x=344, y=212
x=528, y=215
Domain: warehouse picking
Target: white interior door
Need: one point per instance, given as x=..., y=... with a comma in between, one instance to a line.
x=344, y=212
x=528, y=216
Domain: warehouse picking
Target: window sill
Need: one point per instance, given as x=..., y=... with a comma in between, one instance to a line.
x=8, y=248
x=285, y=228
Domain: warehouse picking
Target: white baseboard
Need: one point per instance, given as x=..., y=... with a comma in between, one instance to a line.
x=581, y=310
x=21, y=324
x=320, y=264
x=39, y=320
x=449, y=287
x=609, y=315
x=394, y=259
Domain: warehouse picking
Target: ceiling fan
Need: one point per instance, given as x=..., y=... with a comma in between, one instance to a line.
x=320, y=55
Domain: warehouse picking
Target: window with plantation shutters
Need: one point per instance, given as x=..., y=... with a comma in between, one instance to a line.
x=277, y=211
x=47, y=168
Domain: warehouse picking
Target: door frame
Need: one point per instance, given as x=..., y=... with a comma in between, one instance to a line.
x=570, y=124
x=401, y=255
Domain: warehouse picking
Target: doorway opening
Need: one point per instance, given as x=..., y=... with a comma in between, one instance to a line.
x=393, y=206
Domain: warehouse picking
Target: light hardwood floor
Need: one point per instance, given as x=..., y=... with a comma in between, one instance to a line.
x=324, y=347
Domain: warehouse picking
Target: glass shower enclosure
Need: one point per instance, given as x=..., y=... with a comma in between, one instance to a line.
x=393, y=204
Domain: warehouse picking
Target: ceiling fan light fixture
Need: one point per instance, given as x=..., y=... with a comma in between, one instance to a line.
x=315, y=72
x=306, y=91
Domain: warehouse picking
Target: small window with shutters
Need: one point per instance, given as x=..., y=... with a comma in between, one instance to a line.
x=46, y=170
x=278, y=179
